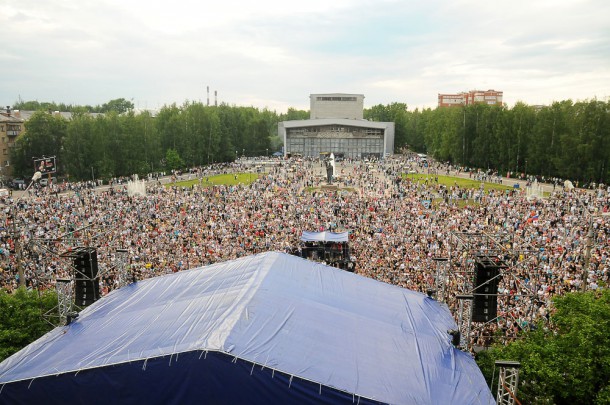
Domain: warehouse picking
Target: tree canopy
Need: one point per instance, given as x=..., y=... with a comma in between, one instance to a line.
x=565, y=140
x=566, y=361
x=21, y=320
x=121, y=144
x=119, y=105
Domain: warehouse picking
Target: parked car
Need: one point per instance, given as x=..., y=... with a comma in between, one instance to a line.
x=45, y=181
x=18, y=184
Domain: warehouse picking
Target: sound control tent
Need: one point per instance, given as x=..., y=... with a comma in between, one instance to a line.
x=330, y=247
x=268, y=328
x=325, y=236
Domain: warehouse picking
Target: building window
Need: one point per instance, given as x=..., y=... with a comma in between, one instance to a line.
x=326, y=98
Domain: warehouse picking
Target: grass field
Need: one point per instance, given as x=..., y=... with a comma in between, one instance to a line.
x=219, y=179
x=247, y=178
x=449, y=181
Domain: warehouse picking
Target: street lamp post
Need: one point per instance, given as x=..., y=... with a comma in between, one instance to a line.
x=17, y=245
x=17, y=235
x=464, y=140
x=585, y=272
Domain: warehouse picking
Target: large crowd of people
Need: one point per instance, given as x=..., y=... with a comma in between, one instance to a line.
x=398, y=226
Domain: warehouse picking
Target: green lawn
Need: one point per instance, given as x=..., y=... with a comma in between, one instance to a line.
x=449, y=181
x=219, y=179
x=247, y=178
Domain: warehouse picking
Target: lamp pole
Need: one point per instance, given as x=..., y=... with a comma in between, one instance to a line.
x=585, y=271
x=17, y=242
x=20, y=271
x=464, y=140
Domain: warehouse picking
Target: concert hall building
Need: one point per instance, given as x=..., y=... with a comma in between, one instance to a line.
x=336, y=125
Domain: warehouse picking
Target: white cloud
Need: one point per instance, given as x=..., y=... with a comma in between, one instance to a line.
x=275, y=53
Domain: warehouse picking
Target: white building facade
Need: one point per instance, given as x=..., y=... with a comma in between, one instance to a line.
x=336, y=126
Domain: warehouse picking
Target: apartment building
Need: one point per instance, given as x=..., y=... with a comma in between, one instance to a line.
x=489, y=97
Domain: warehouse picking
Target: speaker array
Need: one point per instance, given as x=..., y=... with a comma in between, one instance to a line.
x=487, y=277
x=86, y=281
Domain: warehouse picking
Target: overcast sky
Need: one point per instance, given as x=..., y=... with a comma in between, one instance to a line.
x=273, y=54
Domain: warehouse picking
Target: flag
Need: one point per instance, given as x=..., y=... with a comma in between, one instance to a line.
x=533, y=216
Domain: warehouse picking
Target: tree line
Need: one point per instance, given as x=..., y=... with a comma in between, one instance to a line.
x=565, y=140
x=121, y=144
x=119, y=105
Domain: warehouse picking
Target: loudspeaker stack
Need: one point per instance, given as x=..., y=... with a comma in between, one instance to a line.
x=87, y=285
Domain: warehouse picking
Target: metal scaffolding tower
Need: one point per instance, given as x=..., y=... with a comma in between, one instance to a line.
x=468, y=249
x=508, y=382
x=441, y=277
x=65, y=297
x=465, y=320
x=56, y=256
x=122, y=267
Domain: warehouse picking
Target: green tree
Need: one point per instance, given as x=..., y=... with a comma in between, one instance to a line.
x=444, y=133
x=169, y=127
x=77, y=147
x=21, y=320
x=233, y=127
x=396, y=113
x=294, y=114
x=173, y=161
x=551, y=124
x=119, y=105
x=567, y=362
x=261, y=137
x=51, y=106
x=566, y=140
x=43, y=136
x=415, y=131
x=149, y=140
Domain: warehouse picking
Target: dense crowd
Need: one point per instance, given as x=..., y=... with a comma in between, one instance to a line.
x=398, y=227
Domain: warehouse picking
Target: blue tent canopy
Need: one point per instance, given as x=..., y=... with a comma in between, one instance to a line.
x=268, y=328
